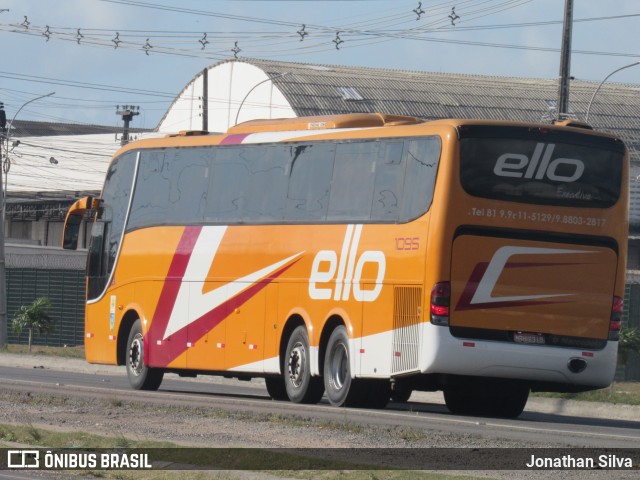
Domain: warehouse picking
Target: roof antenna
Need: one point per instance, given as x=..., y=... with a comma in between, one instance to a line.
x=419, y=11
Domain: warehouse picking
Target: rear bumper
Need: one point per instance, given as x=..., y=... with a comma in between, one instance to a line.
x=445, y=354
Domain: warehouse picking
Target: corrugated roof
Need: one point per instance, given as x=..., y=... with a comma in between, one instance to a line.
x=312, y=90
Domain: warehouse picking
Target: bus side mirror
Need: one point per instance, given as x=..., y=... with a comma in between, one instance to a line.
x=72, y=223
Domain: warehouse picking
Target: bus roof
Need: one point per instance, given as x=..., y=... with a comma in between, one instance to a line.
x=324, y=123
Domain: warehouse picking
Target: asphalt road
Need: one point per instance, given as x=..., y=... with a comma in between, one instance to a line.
x=544, y=420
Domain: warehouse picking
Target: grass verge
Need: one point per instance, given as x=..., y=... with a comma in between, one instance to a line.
x=64, y=352
x=308, y=467
x=624, y=393
x=30, y=435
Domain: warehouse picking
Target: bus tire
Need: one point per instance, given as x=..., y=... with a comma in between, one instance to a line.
x=276, y=388
x=141, y=377
x=300, y=386
x=341, y=389
x=458, y=401
x=400, y=394
x=510, y=401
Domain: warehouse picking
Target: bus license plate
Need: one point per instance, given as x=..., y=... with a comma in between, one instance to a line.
x=529, y=338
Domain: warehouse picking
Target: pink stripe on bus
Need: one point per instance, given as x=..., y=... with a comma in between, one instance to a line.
x=234, y=139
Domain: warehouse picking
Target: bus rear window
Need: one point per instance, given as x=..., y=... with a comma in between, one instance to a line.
x=542, y=171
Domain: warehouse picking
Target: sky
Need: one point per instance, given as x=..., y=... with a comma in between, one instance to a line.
x=97, y=54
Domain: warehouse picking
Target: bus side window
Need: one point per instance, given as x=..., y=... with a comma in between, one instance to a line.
x=353, y=179
x=152, y=191
x=171, y=188
x=422, y=157
x=267, y=185
x=227, y=186
x=309, y=182
x=387, y=192
x=187, y=195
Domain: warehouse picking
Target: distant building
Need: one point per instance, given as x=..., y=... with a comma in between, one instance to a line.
x=248, y=89
x=52, y=165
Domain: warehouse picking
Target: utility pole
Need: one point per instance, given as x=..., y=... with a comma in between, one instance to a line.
x=127, y=112
x=6, y=138
x=205, y=100
x=3, y=278
x=565, y=61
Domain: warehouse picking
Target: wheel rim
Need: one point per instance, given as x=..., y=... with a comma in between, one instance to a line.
x=136, y=362
x=339, y=366
x=297, y=362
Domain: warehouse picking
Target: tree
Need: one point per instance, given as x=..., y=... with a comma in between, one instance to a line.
x=34, y=317
x=629, y=342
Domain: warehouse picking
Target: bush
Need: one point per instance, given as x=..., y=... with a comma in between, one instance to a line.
x=34, y=317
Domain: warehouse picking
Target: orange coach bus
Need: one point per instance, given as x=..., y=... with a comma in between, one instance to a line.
x=363, y=256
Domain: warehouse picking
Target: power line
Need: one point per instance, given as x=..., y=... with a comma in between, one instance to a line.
x=85, y=85
x=367, y=28
x=357, y=38
x=542, y=24
x=108, y=103
x=72, y=34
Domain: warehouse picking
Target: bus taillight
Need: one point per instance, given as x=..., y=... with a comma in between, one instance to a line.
x=440, y=297
x=616, y=318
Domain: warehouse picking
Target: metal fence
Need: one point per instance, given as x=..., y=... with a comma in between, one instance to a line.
x=630, y=319
x=65, y=289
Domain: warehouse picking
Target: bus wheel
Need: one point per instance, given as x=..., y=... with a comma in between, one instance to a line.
x=140, y=376
x=400, y=394
x=509, y=401
x=341, y=389
x=504, y=401
x=276, y=388
x=300, y=386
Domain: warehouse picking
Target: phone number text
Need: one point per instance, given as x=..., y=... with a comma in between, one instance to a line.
x=509, y=215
